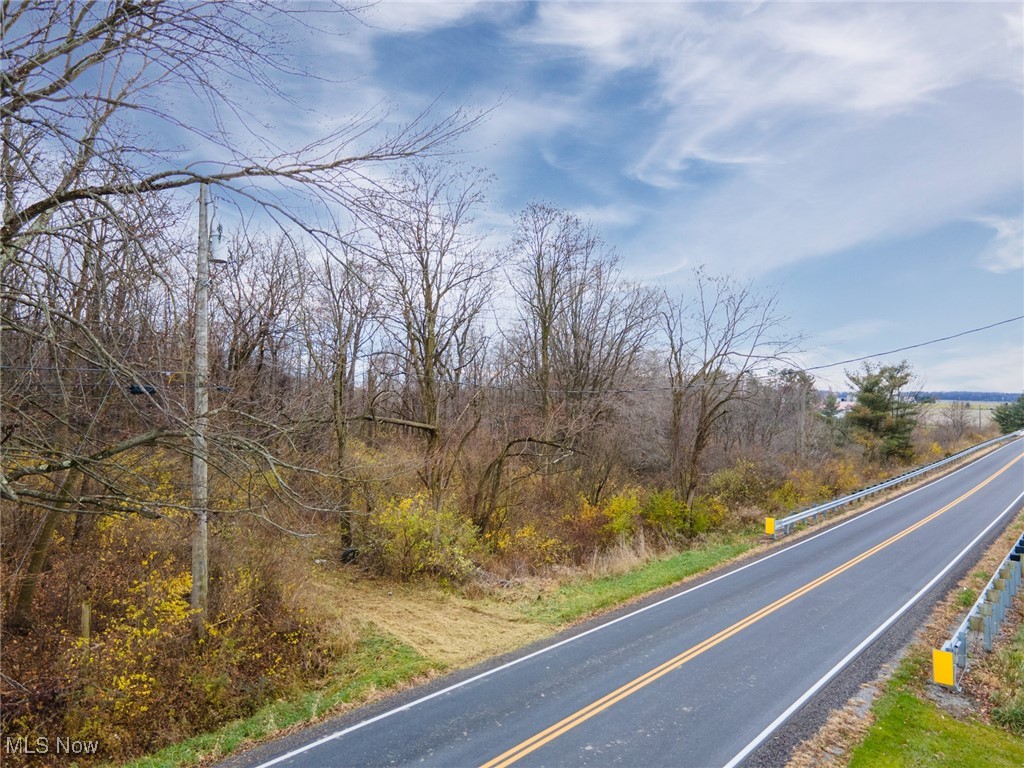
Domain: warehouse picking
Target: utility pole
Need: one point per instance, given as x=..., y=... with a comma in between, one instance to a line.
x=200, y=476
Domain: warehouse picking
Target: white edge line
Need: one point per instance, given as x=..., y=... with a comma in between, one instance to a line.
x=553, y=646
x=864, y=644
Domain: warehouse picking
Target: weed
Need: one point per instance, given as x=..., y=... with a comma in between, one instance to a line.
x=966, y=597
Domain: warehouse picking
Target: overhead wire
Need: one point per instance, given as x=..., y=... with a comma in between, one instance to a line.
x=913, y=346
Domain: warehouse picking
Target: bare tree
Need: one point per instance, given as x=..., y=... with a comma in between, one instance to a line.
x=547, y=245
x=955, y=421
x=717, y=339
x=436, y=284
x=257, y=300
x=580, y=329
x=775, y=414
x=340, y=320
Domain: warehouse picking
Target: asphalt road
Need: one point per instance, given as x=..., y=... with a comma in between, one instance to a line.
x=702, y=677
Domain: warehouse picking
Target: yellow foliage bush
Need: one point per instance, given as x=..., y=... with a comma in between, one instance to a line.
x=528, y=548
x=707, y=513
x=622, y=514
x=121, y=678
x=409, y=537
x=663, y=513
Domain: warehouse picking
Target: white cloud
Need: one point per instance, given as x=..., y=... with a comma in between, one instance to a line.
x=723, y=68
x=516, y=120
x=1005, y=253
x=997, y=368
x=610, y=215
x=408, y=16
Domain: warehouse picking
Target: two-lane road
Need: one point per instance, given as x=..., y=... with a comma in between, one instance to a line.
x=705, y=675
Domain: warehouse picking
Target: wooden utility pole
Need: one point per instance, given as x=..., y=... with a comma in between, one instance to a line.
x=200, y=477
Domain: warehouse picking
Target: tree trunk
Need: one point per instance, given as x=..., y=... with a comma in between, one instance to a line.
x=21, y=615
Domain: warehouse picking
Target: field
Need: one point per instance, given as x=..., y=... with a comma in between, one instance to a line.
x=978, y=414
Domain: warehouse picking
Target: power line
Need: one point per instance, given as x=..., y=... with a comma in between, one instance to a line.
x=914, y=346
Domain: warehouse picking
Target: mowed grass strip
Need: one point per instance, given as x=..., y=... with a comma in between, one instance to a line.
x=579, y=599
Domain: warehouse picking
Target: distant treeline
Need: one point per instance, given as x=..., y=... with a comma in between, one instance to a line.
x=985, y=397
x=989, y=397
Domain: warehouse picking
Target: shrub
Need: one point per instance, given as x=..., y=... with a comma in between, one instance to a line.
x=743, y=484
x=622, y=513
x=707, y=513
x=662, y=512
x=411, y=537
x=528, y=548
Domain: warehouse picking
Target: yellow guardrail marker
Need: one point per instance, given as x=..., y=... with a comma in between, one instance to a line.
x=769, y=526
x=943, y=668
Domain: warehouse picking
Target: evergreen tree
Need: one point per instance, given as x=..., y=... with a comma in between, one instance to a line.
x=1010, y=416
x=832, y=417
x=884, y=417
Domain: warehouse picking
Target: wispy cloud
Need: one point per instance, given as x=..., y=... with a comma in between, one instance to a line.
x=996, y=368
x=832, y=125
x=1005, y=253
x=411, y=16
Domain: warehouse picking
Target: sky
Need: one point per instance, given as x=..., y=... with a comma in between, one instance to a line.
x=863, y=161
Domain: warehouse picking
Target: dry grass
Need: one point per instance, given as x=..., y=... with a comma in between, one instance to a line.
x=621, y=558
x=442, y=626
x=844, y=729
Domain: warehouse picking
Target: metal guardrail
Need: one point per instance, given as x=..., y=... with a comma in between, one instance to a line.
x=950, y=662
x=773, y=527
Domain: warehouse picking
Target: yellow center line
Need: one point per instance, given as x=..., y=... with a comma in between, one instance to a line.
x=553, y=732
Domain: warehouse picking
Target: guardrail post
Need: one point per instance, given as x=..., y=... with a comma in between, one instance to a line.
x=985, y=610
x=1003, y=593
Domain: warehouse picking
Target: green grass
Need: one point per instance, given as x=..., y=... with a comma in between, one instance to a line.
x=378, y=662
x=585, y=597
x=966, y=597
x=910, y=731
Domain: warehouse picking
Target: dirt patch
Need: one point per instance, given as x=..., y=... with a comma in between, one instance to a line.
x=443, y=627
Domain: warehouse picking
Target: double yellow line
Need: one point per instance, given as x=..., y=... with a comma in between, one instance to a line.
x=581, y=716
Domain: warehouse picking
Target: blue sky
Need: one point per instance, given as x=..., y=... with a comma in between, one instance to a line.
x=865, y=161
